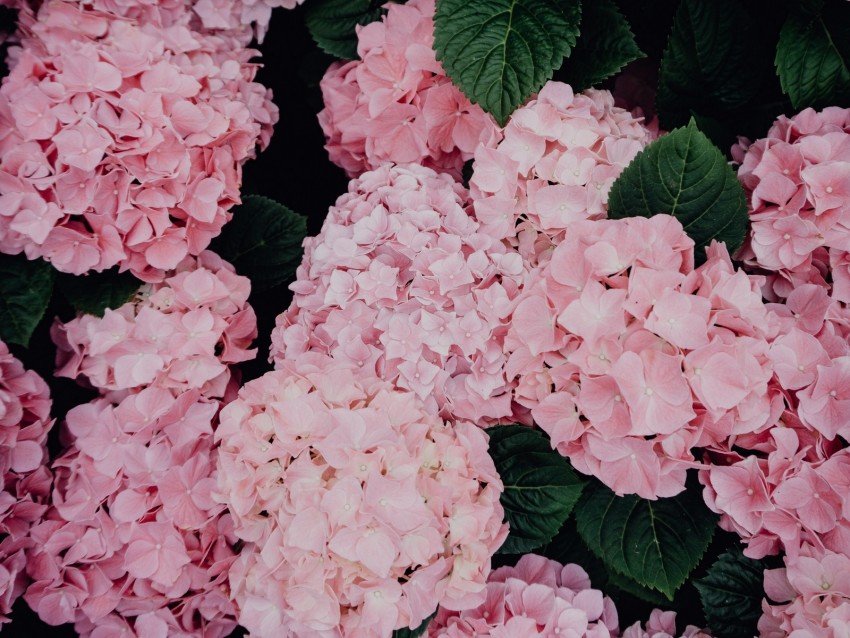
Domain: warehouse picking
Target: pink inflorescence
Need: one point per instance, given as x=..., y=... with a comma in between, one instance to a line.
x=24, y=423
x=783, y=490
x=134, y=542
x=234, y=15
x=560, y=154
x=122, y=142
x=813, y=592
x=361, y=511
x=540, y=597
x=179, y=334
x=629, y=358
x=798, y=183
x=401, y=283
x=396, y=103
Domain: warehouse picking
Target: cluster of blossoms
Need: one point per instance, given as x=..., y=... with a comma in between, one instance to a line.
x=134, y=541
x=401, y=283
x=361, y=512
x=798, y=184
x=628, y=357
x=396, y=103
x=122, y=142
x=24, y=423
x=560, y=155
x=815, y=591
x=785, y=490
x=180, y=334
x=540, y=597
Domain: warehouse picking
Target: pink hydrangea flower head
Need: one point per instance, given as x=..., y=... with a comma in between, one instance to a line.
x=537, y=597
x=122, y=142
x=360, y=511
x=811, y=595
x=234, y=15
x=797, y=182
x=540, y=597
x=560, y=154
x=401, y=283
x=396, y=104
x=179, y=334
x=634, y=357
x=134, y=539
x=24, y=424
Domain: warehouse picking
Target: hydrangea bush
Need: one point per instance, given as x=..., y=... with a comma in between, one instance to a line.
x=563, y=358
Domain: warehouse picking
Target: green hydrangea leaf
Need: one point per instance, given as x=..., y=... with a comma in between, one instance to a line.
x=568, y=547
x=541, y=487
x=655, y=543
x=95, y=292
x=605, y=46
x=813, y=54
x=499, y=52
x=263, y=241
x=25, y=290
x=714, y=61
x=332, y=23
x=683, y=174
x=731, y=594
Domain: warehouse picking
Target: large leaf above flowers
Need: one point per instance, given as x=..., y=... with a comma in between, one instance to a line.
x=540, y=486
x=656, y=543
x=813, y=54
x=499, y=52
x=683, y=174
x=25, y=290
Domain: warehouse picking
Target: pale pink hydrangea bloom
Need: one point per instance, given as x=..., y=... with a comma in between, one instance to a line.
x=401, y=283
x=241, y=20
x=122, y=143
x=559, y=157
x=814, y=595
x=798, y=183
x=360, y=510
x=24, y=423
x=233, y=15
x=180, y=334
x=662, y=624
x=396, y=104
x=135, y=544
x=629, y=358
x=540, y=597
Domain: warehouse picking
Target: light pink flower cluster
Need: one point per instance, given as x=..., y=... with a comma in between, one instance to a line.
x=401, y=283
x=179, y=334
x=784, y=490
x=540, y=597
x=134, y=541
x=122, y=142
x=787, y=487
x=560, y=154
x=662, y=624
x=24, y=423
x=629, y=358
x=396, y=103
x=233, y=15
x=361, y=511
x=798, y=182
x=814, y=590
